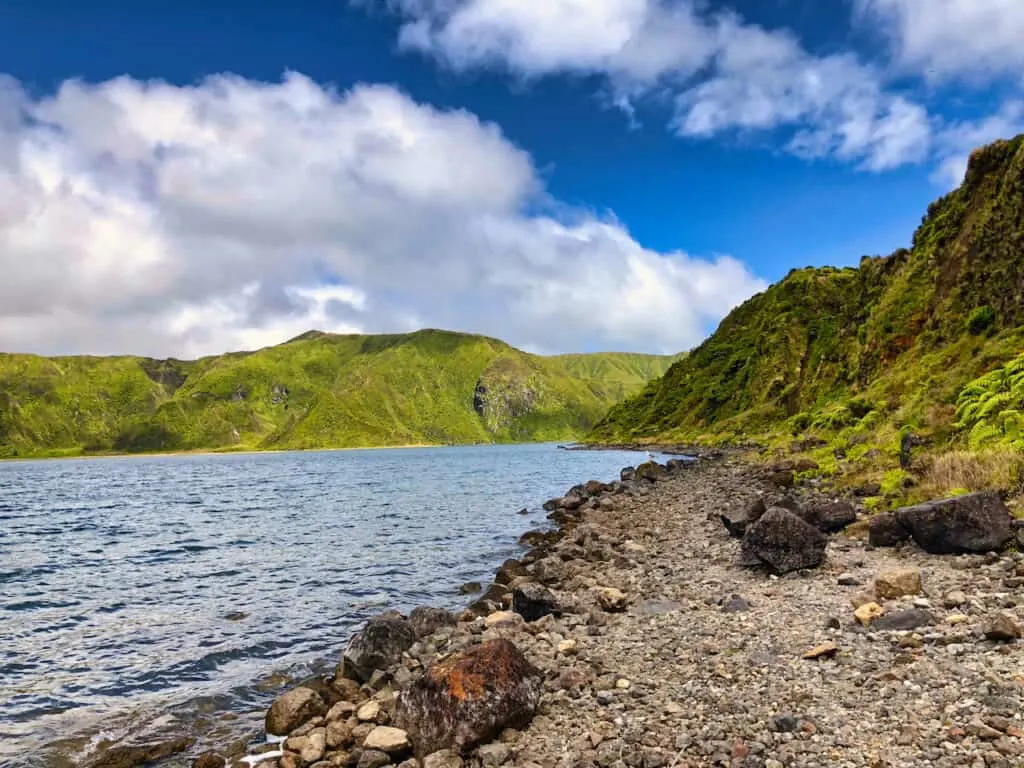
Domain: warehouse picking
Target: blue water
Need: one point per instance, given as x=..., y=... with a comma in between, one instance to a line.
x=121, y=579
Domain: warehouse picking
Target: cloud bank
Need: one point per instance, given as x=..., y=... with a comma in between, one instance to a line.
x=155, y=219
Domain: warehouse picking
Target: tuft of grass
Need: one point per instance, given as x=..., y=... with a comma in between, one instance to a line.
x=958, y=472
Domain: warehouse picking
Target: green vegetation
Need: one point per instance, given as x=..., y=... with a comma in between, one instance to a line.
x=316, y=391
x=911, y=354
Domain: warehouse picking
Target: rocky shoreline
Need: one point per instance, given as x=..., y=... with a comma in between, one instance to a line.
x=694, y=614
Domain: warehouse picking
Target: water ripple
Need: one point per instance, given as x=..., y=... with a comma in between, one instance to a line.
x=160, y=584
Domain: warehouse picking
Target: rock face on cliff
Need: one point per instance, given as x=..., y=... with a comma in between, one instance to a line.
x=470, y=698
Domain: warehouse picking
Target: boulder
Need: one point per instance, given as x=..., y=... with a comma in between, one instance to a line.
x=898, y=582
x=532, y=601
x=426, y=621
x=292, y=709
x=783, y=542
x=886, y=530
x=831, y=518
x=379, y=645
x=977, y=522
x=650, y=470
x=469, y=698
x=627, y=474
x=736, y=523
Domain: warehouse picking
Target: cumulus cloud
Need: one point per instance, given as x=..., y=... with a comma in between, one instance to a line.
x=724, y=74
x=958, y=140
x=952, y=38
x=150, y=218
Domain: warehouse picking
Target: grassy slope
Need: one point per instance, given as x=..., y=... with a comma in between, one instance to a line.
x=316, y=391
x=854, y=359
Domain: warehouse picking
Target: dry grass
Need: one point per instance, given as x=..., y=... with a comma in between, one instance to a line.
x=958, y=471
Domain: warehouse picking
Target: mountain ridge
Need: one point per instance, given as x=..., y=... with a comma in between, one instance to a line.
x=317, y=390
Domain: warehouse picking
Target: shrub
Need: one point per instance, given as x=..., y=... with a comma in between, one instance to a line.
x=980, y=320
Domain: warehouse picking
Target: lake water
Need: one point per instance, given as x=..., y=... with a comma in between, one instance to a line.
x=157, y=592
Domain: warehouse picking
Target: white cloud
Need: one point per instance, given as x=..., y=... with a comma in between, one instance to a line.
x=958, y=140
x=959, y=39
x=724, y=73
x=149, y=218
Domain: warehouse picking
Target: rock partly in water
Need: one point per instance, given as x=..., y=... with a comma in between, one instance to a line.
x=784, y=542
x=976, y=522
x=292, y=709
x=469, y=698
x=533, y=602
x=131, y=755
x=379, y=645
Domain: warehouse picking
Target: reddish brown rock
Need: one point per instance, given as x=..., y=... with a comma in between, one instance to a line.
x=470, y=698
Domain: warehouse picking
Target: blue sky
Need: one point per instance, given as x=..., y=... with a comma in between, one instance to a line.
x=567, y=176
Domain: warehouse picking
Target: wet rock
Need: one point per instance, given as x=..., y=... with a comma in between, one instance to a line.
x=533, y=602
x=784, y=542
x=831, y=518
x=904, y=620
x=509, y=571
x=595, y=488
x=386, y=739
x=736, y=523
x=471, y=588
x=292, y=709
x=426, y=621
x=627, y=474
x=1002, y=628
x=209, y=760
x=469, y=698
x=977, y=522
x=611, y=600
x=650, y=471
x=379, y=645
x=898, y=582
x=886, y=530
x=129, y=756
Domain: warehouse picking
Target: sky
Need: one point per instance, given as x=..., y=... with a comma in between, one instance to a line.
x=186, y=178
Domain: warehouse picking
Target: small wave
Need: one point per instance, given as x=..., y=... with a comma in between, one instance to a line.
x=37, y=605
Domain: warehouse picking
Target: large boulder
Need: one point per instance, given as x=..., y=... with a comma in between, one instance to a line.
x=737, y=522
x=532, y=601
x=469, y=698
x=292, y=709
x=976, y=522
x=783, y=542
x=379, y=645
x=831, y=517
x=886, y=530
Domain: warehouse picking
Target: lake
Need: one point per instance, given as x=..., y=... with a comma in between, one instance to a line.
x=159, y=592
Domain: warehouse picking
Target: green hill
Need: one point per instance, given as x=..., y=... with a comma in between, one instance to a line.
x=315, y=391
x=852, y=360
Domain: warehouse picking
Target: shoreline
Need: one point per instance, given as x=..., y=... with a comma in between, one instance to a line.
x=705, y=663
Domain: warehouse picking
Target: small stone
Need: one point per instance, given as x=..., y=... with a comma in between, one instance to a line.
x=568, y=647
x=386, y=739
x=833, y=623
x=868, y=613
x=957, y=618
x=493, y=755
x=735, y=604
x=898, y=582
x=611, y=600
x=954, y=599
x=785, y=724
x=861, y=598
x=623, y=684
x=848, y=580
x=373, y=758
x=823, y=651
x=443, y=759
x=503, y=619
x=1002, y=628
x=672, y=708
x=368, y=712
x=604, y=698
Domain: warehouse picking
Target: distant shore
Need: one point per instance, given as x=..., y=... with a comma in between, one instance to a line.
x=230, y=452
